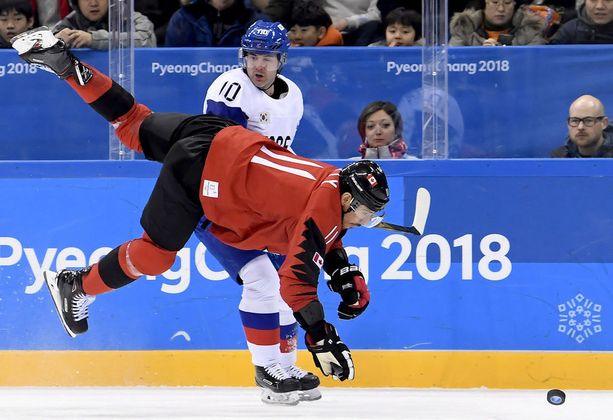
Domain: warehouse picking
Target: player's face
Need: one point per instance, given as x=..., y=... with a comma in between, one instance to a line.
x=305, y=36
x=600, y=11
x=13, y=23
x=397, y=35
x=94, y=10
x=356, y=214
x=262, y=68
x=379, y=129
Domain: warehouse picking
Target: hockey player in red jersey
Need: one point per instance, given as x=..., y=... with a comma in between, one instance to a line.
x=256, y=194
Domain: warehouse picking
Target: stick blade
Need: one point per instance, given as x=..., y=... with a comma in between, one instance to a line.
x=422, y=209
x=397, y=228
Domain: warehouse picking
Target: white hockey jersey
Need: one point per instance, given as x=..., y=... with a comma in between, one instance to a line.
x=232, y=95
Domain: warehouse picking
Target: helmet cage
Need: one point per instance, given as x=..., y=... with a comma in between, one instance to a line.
x=372, y=218
x=242, y=57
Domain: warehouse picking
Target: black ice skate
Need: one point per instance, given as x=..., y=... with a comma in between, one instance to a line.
x=309, y=383
x=42, y=49
x=277, y=386
x=69, y=298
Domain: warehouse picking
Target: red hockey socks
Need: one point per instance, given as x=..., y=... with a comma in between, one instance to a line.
x=125, y=264
x=115, y=104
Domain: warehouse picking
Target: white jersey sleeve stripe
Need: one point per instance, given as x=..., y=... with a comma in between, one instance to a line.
x=261, y=161
x=297, y=160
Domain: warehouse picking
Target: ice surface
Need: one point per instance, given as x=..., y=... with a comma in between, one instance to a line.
x=337, y=403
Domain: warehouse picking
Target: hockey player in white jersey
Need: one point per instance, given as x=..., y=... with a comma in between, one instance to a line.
x=259, y=98
x=256, y=95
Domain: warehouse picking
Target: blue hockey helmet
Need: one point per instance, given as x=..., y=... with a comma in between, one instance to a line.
x=265, y=38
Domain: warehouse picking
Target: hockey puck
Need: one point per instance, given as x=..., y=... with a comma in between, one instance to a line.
x=556, y=397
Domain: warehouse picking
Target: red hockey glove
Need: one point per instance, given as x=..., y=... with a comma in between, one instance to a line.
x=330, y=354
x=350, y=284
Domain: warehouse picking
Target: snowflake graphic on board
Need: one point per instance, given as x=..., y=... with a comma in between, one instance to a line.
x=579, y=318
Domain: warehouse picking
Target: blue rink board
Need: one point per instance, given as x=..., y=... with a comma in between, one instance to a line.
x=549, y=291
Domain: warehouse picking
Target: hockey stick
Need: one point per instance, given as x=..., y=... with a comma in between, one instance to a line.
x=422, y=208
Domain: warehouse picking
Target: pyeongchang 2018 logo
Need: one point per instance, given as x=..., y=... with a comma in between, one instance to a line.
x=579, y=318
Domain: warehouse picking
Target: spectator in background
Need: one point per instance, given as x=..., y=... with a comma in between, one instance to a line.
x=550, y=15
x=380, y=128
x=15, y=17
x=566, y=8
x=279, y=11
x=386, y=6
x=589, y=133
x=593, y=25
x=209, y=23
x=453, y=6
x=257, y=5
x=87, y=26
x=159, y=13
x=358, y=20
x=50, y=12
x=402, y=29
x=498, y=22
x=311, y=26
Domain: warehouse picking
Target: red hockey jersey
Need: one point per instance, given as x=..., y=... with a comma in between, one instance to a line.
x=260, y=196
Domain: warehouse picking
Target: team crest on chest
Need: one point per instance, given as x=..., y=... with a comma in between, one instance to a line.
x=264, y=118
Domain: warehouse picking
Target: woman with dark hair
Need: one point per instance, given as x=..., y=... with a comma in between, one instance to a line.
x=380, y=128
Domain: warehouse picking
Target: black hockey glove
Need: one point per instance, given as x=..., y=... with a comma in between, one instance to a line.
x=330, y=354
x=350, y=284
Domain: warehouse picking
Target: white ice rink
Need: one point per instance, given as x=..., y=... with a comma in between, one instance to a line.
x=337, y=403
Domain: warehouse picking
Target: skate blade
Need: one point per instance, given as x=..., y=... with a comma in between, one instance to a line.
x=40, y=38
x=51, y=280
x=310, y=395
x=277, y=398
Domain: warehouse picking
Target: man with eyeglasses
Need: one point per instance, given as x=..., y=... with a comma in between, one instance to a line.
x=589, y=133
x=497, y=22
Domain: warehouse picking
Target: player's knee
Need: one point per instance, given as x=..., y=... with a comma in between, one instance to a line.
x=149, y=258
x=127, y=126
x=261, y=289
x=254, y=293
x=260, y=280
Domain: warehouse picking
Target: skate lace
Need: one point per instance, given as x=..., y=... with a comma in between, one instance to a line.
x=80, y=305
x=277, y=372
x=295, y=372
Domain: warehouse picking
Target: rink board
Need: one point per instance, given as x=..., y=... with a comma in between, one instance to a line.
x=414, y=369
x=510, y=286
